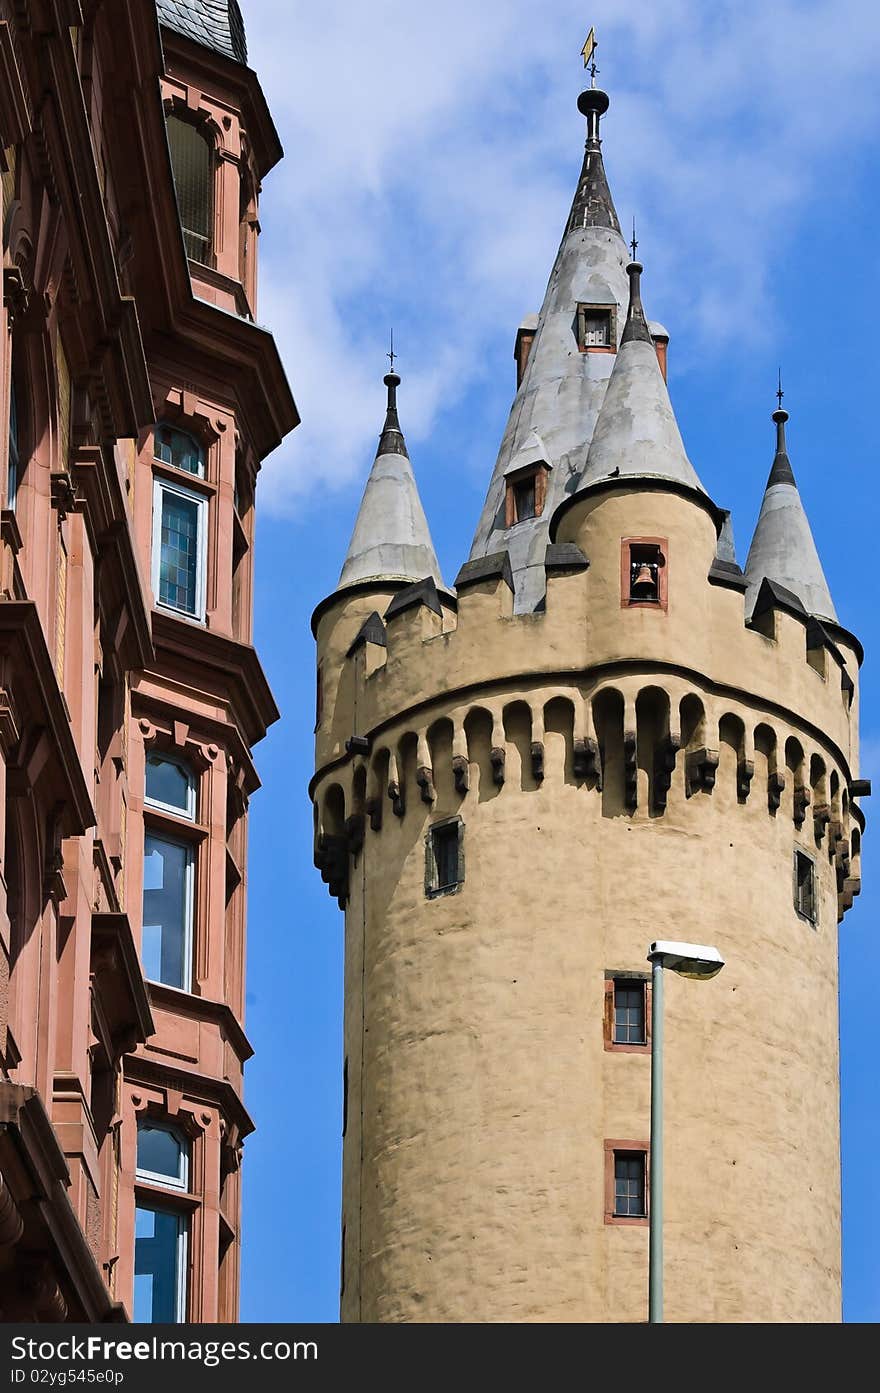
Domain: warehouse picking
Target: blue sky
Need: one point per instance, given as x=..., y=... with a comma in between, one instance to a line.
x=431, y=157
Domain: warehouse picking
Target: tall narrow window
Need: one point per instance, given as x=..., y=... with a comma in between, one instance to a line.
x=192, y=162
x=179, y=548
x=161, y=1232
x=12, y=468
x=805, y=886
x=179, y=449
x=166, y=946
x=644, y=572
x=629, y=1013
x=629, y=1185
x=444, y=869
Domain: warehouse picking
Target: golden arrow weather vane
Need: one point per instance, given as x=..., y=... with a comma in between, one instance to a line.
x=589, y=55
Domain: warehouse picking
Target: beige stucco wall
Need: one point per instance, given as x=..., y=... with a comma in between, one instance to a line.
x=480, y=1093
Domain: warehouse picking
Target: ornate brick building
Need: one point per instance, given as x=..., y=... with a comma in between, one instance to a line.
x=606, y=733
x=138, y=397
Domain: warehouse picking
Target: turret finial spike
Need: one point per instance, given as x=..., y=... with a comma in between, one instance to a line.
x=779, y=392
x=634, y=244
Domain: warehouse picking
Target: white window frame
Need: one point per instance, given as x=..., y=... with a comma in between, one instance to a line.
x=190, y=811
x=189, y=917
x=169, y=464
x=161, y=487
x=159, y=1177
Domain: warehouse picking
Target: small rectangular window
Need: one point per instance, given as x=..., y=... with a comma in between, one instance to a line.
x=179, y=548
x=160, y=1252
x=445, y=862
x=166, y=944
x=644, y=571
x=162, y=1155
x=805, y=886
x=526, y=494
x=594, y=327
x=170, y=785
x=629, y=1184
x=629, y=1013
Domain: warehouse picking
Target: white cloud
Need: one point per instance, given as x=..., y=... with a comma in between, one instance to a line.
x=431, y=154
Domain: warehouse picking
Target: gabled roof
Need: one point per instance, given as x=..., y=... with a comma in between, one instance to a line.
x=783, y=549
x=391, y=539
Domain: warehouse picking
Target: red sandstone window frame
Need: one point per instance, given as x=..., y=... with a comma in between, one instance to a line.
x=632, y=980
x=538, y=472
x=614, y=1148
x=626, y=558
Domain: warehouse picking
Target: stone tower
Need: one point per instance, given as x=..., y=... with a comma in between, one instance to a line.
x=606, y=733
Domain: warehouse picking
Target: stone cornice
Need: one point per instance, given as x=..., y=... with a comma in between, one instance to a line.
x=225, y=664
x=517, y=681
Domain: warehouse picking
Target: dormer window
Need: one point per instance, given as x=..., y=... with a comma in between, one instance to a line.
x=644, y=572
x=526, y=493
x=595, y=328
x=192, y=163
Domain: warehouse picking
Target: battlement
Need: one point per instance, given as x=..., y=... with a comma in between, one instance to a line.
x=633, y=703
x=387, y=653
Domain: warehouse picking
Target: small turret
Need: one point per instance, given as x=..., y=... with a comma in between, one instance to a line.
x=636, y=433
x=783, y=549
x=391, y=540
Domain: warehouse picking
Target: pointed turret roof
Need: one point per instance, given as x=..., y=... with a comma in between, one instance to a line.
x=636, y=434
x=391, y=539
x=783, y=549
x=562, y=387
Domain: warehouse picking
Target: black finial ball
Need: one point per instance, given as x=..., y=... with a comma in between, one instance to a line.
x=391, y=379
x=593, y=100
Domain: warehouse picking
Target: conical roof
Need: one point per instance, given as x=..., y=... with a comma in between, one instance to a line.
x=562, y=388
x=636, y=434
x=783, y=549
x=391, y=539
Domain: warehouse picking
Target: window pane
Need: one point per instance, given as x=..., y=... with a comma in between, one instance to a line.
x=165, y=948
x=192, y=165
x=445, y=842
x=179, y=559
x=159, y=1257
x=168, y=782
x=178, y=448
x=12, y=466
x=629, y=1184
x=596, y=330
x=629, y=1014
x=162, y=1151
x=524, y=493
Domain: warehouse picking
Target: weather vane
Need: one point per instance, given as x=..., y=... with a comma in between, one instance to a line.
x=633, y=246
x=779, y=392
x=589, y=55
x=392, y=355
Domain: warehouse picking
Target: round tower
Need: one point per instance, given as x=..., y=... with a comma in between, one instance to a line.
x=518, y=788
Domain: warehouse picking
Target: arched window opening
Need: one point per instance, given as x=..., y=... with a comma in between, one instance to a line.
x=193, y=167
x=179, y=449
x=170, y=785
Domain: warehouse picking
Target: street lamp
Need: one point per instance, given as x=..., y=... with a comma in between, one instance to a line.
x=688, y=960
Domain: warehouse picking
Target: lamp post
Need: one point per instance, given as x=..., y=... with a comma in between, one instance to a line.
x=688, y=960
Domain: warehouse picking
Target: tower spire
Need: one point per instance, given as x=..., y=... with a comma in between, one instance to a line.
x=636, y=433
x=783, y=549
x=391, y=538
x=563, y=382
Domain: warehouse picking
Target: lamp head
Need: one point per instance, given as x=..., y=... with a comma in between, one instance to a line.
x=695, y=960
